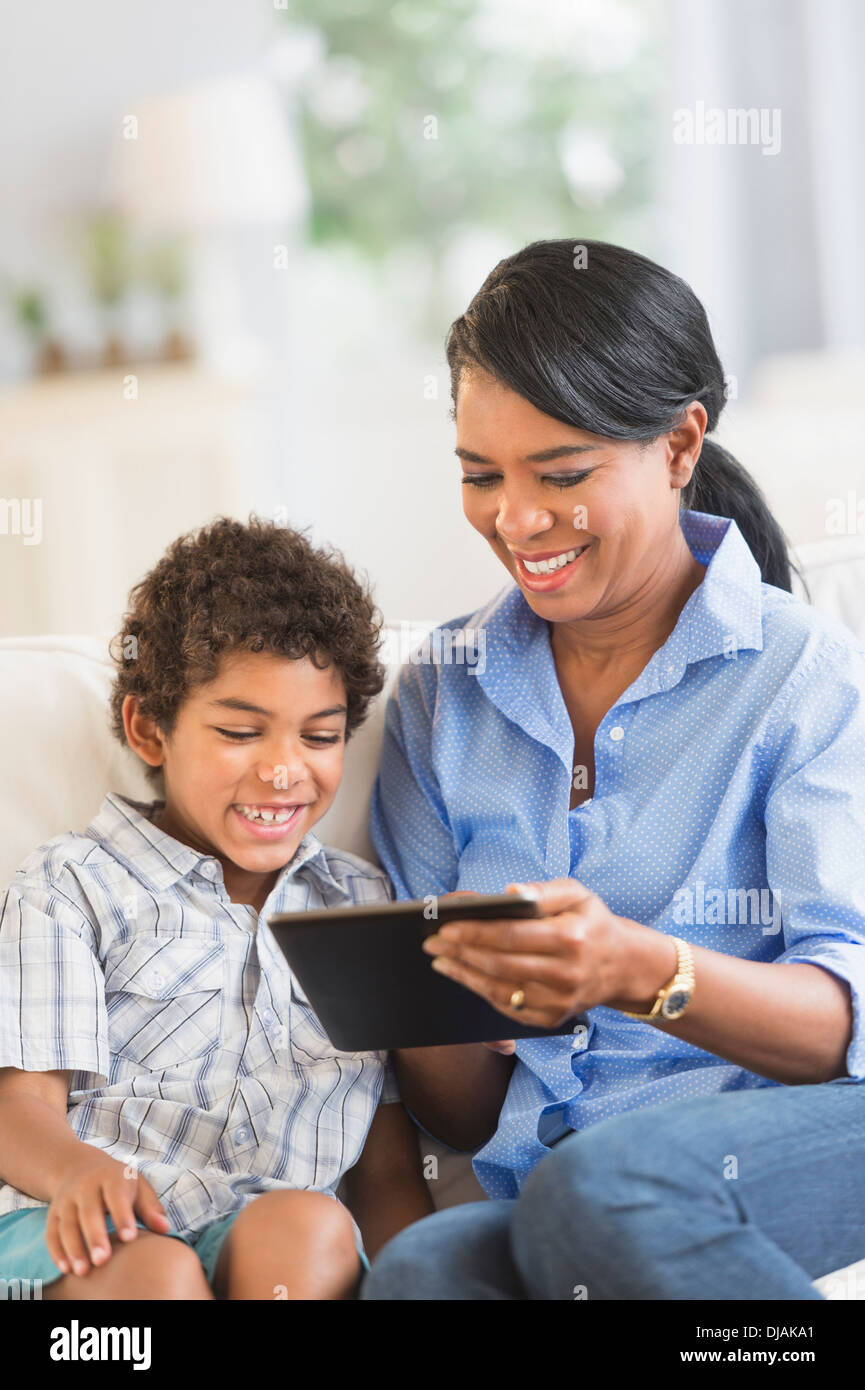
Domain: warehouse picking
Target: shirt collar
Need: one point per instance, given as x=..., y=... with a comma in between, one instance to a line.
x=722, y=617
x=159, y=861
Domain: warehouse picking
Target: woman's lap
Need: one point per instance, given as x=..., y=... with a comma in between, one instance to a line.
x=742, y=1195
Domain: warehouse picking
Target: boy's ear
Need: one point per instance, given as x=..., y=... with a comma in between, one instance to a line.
x=142, y=733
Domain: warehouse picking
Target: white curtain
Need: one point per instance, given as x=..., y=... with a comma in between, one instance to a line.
x=772, y=243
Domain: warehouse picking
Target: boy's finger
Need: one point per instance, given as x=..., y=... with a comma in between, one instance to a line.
x=71, y=1239
x=91, y=1218
x=149, y=1208
x=53, y=1245
x=120, y=1209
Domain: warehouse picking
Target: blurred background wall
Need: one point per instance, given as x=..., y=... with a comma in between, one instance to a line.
x=234, y=236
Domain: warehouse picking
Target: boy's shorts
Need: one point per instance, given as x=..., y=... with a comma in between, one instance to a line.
x=24, y=1254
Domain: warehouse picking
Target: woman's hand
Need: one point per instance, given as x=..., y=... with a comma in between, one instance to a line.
x=577, y=955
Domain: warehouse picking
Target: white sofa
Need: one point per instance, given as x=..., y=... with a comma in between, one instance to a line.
x=58, y=759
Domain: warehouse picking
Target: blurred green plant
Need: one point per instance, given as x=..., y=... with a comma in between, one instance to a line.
x=501, y=121
x=108, y=257
x=165, y=268
x=30, y=310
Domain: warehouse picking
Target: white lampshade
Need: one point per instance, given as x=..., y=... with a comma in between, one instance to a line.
x=219, y=153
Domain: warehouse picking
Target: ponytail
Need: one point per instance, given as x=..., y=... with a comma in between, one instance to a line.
x=722, y=487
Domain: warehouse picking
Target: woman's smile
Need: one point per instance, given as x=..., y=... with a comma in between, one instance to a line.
x=550, y=569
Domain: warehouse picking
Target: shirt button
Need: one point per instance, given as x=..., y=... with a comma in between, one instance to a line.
x=157, y=981
x=617, y=733
x=268, y=1015
x=579, y=1039
x=242, y=1135
x=208, y=868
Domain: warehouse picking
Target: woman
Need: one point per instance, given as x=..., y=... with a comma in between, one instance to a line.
x=669, y=747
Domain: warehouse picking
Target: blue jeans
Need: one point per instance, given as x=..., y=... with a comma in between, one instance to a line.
x=742, y=1195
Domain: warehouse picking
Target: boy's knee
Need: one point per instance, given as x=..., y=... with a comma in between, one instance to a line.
x=312, y=1217
x=164, y=1265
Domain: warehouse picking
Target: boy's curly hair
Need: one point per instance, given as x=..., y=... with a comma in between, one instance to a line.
x=232, y=586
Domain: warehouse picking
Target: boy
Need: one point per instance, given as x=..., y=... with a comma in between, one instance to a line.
x=173, y=1120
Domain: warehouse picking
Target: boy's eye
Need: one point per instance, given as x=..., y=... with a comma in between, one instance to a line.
x=242, y=735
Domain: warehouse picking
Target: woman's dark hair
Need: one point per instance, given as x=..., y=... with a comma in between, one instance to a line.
x=617, y=347
x=233, y=586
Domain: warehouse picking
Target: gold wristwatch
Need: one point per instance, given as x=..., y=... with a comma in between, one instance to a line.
x=675, y=996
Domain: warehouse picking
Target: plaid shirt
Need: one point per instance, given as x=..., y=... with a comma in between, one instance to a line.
x=194, y=1054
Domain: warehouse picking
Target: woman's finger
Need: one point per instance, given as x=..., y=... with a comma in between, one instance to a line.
x=540, y=936
x=512, y=965
x=542, y=1006
x=556, y=894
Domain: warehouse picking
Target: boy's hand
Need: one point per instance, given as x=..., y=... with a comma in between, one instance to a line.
x=75, y=1231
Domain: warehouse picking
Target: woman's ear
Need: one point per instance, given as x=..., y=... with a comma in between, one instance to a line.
x=142, y=733
x=685, y=443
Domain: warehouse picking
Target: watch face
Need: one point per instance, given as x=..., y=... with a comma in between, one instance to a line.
x=675, y=1003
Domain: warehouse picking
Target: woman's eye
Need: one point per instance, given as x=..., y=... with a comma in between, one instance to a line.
x=235, y=733
x=565, y=479
x=484, y=480
x=322, y=738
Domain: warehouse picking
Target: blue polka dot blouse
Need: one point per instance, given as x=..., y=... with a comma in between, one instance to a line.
x=728, y=808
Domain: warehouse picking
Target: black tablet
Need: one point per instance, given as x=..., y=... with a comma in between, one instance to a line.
x=373, y=987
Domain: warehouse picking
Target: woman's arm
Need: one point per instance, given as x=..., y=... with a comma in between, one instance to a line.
x=385, y=1190
x=792, y=1025
x=456, y=1093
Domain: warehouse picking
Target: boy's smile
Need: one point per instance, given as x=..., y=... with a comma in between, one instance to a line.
x=253, y=761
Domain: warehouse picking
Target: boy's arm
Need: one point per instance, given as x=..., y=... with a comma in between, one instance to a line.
x=36, y=1143
x=41, y=1156
x=385, y=1190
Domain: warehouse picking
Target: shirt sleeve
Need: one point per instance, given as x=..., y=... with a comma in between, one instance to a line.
x=390, y=1089
x=52, y=993
x=408, y=821
x=815, y=828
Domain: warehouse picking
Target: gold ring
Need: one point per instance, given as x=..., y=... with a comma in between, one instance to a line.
x=517, y=999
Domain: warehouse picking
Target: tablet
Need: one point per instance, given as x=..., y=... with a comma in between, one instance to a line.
x=373, y=987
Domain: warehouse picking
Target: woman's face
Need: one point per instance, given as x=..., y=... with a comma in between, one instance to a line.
x=605, y=512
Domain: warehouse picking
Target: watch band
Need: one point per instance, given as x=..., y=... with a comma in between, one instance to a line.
x=683, y=979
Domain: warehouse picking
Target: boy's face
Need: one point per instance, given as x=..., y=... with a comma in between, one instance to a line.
x=254, y=760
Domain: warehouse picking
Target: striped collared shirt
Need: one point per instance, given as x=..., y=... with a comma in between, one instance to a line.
x=194, y=1054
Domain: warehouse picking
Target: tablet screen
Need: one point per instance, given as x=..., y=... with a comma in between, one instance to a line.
x=373, y=987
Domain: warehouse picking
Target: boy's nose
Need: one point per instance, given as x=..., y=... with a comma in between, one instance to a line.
x=283, y=774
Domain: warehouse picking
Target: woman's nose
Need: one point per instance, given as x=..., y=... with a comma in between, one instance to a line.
x=519, y=518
